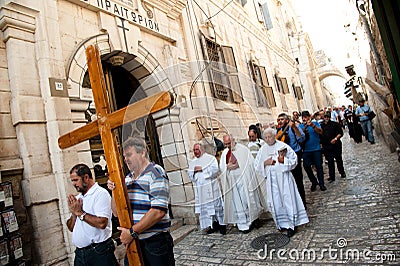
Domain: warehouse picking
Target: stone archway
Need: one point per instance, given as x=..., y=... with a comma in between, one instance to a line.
x=152, y=78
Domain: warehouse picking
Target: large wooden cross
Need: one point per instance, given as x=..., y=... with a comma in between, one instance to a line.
x=104, y=126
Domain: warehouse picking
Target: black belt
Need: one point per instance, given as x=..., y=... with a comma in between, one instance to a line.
x=94, y=245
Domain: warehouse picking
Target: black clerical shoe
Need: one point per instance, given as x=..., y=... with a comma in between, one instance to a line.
x=222, y=229
x=210, y=230
x=313, y=187
x=323, y=188
x=343, y=175
x=331, y=180
x=256, y=224
x=290, y=232
x=245, y=231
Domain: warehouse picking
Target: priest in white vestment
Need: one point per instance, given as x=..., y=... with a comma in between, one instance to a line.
x=274, y=161
x=240, y=185
x=203, y=171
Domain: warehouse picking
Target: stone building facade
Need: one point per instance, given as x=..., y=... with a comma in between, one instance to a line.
x=227, y=64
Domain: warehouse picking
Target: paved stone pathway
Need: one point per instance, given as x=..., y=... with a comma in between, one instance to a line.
x=355, y=221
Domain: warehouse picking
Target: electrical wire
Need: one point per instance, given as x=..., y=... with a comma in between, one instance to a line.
x=215, y=41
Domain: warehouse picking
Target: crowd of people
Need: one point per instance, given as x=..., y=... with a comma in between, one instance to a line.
x=267, y=175
x=245, y=181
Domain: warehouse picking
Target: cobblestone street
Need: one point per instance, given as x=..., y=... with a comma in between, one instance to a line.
x=355, y=221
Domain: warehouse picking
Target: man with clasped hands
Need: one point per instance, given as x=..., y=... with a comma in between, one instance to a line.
x=90, y=221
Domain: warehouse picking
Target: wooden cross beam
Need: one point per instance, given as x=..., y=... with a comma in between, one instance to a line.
x=104, y=126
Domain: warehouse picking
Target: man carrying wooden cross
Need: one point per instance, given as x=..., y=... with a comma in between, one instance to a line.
x=105, y=126
x=148, y=191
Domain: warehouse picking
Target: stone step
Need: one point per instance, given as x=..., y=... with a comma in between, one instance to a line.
x=176, y=223
x=182, y=232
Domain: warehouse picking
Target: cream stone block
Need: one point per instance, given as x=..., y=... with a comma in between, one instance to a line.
x=11, y=164
x=189, y=192
x=85, y=157
x=168, y=150
x=16, y=33
x=3, y=58
x=64, y=127
x=34, y=148
x=4, y=80
x=166, y=135
x=37, y=189
x=27, y=109
x=9, y=148
x=133, y=37
x=185, y=211
x=57, y=109
x=5, y=97
x=171, y=163
x=83, y=146
x=169, y=132
x=73, y=88
x=6, y=130
x=47, y=224
x=109, y=23
x=175, y=178
x=64, y=16
x=185, y=176
x=174, y=163
x=177, y=195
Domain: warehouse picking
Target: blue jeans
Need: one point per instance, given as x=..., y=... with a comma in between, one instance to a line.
x=314, y=158
x=157, y=250
x=98, y=254
x=367, y=129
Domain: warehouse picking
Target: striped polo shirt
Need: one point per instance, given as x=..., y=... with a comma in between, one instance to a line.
x=149, y=190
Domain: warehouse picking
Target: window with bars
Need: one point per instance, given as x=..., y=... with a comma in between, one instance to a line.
x=264, y=93
x=223, y=73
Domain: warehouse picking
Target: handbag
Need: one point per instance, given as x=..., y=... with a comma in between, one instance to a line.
x=371, y=115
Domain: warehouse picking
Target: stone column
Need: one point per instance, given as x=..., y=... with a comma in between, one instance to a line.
x=35, y=114
x=176, y=163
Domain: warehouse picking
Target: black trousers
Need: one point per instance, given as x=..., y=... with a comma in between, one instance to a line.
x=332, y=155
x=96, y=254
x=298, y=177
x=157, y=250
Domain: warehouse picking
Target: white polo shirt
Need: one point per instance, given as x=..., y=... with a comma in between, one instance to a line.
x=97, y=201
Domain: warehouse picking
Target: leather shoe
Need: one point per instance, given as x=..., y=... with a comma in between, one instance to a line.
x=256, y=224
x=290, y=232
x=222, y=229
x=245, y=231
x=313, y=187
x=323, y=188
x=331, y=180
x=211, y=230
x=343, y=175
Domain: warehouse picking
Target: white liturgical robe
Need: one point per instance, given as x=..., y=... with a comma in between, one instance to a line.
x=282, y=197
x=241, y=188
x=208, y=197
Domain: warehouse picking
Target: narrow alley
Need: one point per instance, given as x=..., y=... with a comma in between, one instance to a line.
x=355, y=221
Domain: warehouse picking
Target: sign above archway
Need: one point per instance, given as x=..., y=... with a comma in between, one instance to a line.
x=129, y=14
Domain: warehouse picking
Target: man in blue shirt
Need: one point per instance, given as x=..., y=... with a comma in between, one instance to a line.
x=366, y=124
x=293, y=136
x=312, y=151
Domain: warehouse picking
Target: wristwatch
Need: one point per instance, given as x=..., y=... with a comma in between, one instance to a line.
x=133, y=233
x=82, y=216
